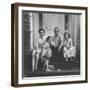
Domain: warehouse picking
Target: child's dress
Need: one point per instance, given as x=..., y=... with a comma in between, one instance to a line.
x=46, y=51
x=43, y=53
x=69, y=49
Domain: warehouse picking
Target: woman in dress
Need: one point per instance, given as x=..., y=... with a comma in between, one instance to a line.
x=69, y=49
x=41, y=42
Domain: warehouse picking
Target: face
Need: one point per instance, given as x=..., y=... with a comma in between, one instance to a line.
x=56, y=31
x=50, y=40
x=66, y=36
x=41, y=33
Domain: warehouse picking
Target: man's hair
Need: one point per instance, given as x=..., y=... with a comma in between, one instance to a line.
x=56, y=28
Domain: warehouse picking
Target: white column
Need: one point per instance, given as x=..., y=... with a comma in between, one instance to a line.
x=31, y=39
x=31, y=31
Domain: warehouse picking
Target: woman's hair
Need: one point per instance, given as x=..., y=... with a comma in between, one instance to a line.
x=65, y=34
x=41, y=29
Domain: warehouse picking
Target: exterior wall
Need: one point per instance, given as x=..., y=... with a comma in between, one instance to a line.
x=53, y=20
x=74, y=28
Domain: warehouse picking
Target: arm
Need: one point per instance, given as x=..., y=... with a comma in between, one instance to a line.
x=61, y=43
x=70, y=43
x=52, y=42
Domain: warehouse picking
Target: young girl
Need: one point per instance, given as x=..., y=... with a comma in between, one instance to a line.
x=69, y=49
x=46, y=53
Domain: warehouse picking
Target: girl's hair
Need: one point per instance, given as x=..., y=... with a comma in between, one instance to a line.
x=65, y=34
x=48, y=38
x=41, y=29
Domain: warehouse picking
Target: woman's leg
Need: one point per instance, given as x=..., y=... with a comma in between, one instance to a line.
x=47, y=65
x=37, y=59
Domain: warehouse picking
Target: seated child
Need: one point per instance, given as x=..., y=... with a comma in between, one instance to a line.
x=69, y=49
x=46, y=53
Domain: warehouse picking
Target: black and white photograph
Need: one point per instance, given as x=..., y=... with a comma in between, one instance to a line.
x=49, y=44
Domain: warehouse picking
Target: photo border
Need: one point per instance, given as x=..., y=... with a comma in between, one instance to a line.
x=14, y=43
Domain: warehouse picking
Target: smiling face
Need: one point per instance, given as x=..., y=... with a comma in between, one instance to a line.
x=50, y=40
x=66, y=36
x=41, y=32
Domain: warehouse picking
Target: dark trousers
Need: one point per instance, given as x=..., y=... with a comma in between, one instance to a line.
x=57, y=57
